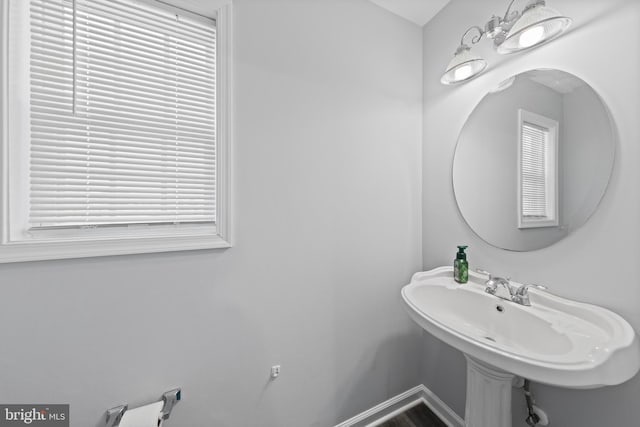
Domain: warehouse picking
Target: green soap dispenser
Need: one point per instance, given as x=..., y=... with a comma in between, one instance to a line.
x=461, y=266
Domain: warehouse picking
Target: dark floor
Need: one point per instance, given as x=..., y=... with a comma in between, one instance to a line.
x=418, y=416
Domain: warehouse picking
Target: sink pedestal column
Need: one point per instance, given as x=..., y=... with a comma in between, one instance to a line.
x=488, y=396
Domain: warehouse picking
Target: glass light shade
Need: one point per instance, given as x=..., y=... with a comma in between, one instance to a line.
x=464, y=66
x=537, y=25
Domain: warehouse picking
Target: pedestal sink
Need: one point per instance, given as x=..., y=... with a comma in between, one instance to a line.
x=554, y=341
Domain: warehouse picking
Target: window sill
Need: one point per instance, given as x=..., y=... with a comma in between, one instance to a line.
x=538, y=224
x=39, y=251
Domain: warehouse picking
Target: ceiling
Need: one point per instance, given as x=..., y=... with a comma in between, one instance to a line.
x=557, y=80
x=418, y=11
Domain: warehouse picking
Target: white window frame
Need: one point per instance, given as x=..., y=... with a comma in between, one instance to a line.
x=551, y=161
x=18, y=245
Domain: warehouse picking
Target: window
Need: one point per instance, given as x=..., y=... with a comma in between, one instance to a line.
x=537, y=171
x=118, y=138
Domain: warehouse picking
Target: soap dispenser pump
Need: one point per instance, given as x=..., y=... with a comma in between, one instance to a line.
x=461, y=266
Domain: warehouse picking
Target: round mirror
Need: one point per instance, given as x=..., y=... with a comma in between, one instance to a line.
x=533, y=160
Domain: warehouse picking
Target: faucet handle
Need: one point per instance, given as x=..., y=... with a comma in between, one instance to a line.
x=521, y=295
x=524, y=289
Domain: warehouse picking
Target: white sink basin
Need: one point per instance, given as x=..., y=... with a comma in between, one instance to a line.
x=554, y=341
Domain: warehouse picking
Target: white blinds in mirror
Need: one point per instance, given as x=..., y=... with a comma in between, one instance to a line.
x=533, y=171
x=123, y=108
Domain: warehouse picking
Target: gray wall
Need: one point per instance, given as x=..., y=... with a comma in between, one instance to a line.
x=587, y=154
x=327, y=226
x=597, y=263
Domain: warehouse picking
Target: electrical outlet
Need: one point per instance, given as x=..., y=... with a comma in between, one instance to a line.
x=275, y=371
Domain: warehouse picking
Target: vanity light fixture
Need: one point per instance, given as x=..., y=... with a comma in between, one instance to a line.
x=464, y=65
x=515, y=32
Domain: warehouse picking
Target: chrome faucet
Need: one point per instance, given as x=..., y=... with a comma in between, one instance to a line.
x=495, y=283
x=519, y=294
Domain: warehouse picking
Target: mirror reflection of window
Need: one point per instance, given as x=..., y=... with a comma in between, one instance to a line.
x=537, y=170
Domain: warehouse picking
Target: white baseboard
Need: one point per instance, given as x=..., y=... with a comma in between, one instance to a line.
x=400, y=403
x=441, y=409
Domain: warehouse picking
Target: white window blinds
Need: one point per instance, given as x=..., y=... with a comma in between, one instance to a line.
x=533, y=171
x=123, y=108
